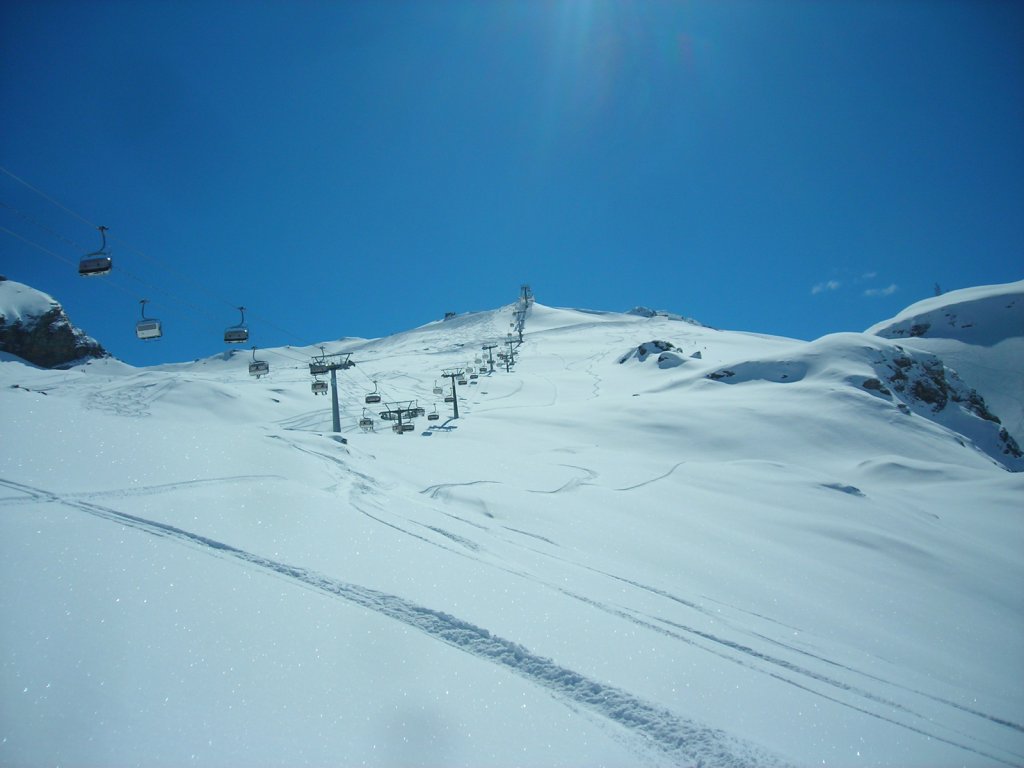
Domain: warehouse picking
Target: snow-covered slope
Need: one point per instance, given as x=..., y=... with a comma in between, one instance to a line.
x=759, y=551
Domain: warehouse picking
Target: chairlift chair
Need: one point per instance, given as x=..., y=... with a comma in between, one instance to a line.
x=483, y=369
x=148, y=327
x=433, y=415
x=237, y=334
x=449, y=398
x=98, y=263
x=373, y=397
x=366, y=423
x=437, y=390
x=258, y=368
x=319, y=387
x=462, y=380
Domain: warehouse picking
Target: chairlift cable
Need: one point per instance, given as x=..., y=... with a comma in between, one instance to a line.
x=158, y=262
x=80, y=248
x=121, y=271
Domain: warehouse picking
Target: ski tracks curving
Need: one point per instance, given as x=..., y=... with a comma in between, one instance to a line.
x=677, y=738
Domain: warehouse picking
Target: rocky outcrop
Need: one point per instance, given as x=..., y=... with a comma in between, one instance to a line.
x=35, y=327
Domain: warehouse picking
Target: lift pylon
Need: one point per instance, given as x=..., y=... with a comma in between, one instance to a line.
x=453, y=374
x=332, y=364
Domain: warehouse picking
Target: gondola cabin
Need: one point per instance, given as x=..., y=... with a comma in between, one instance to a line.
x=98, y=263
x=94, y=265
x=236, y=335
x=259, y=368
x=148, y=329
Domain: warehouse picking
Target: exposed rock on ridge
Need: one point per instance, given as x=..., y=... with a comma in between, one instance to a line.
x=35, y=327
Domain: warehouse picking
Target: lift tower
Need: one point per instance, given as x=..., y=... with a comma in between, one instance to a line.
x=398, y=412
x=332, y=364
x=453, y=374
x=510, y=356
x=490, y=355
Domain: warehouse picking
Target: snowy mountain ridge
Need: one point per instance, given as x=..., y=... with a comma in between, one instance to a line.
x=758, y=551
x=34, y=326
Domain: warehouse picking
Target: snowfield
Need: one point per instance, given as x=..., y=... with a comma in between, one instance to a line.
x=725, y=549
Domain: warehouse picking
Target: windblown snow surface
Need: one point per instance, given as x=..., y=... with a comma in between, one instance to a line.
x=772, y=552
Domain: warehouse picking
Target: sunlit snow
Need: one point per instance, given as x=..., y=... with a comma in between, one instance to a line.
x=757, y=551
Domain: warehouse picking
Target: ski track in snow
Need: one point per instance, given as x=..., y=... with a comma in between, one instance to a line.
x=744, y=655
x=755, y=660
x=674, y=736
x=131, y=399
x=573, y=483
x=653, y=479
x=763, y=662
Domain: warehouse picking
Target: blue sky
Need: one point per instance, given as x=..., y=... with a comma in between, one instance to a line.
x=359, y=168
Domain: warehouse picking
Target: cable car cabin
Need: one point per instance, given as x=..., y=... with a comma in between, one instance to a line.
x=319, y=387
x=94, y=265
x=259, y=368
x=373, y=398
x=148, y=329
x=236, y=335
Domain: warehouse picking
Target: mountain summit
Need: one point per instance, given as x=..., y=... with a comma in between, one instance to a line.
x=34, y=326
